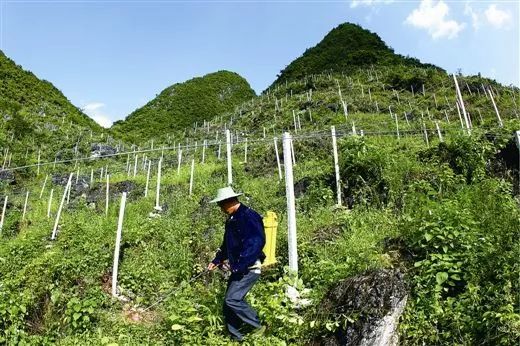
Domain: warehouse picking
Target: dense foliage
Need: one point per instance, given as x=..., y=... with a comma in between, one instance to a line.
x=184, y=104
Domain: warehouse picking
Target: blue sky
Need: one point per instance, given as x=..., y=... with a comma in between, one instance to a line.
x=111, y=57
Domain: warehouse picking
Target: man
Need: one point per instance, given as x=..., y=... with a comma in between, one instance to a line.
x=241, y=253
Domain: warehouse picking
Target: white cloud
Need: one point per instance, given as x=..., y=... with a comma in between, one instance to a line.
x=94, y=110
x=496, y=17
x=475, y=16
x=356, y=3
x=432, y=16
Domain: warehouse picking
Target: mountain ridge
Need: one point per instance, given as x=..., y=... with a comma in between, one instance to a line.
x=346, y=47
x=183, y=104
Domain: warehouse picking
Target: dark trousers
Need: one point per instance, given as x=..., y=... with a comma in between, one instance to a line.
x=236, y=310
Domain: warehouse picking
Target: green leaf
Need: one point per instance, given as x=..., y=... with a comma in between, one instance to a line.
x=76, y=316
x=194, y=319
x=177, y=327
x=441, y=277
x=455, y=277
x=428, y=236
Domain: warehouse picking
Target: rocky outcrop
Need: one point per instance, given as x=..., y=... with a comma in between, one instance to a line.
x=8, y=177
x=100, y=149
x=98, y=192
x=374, y=301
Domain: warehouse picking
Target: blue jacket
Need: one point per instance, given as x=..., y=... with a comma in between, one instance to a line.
x=244, y=239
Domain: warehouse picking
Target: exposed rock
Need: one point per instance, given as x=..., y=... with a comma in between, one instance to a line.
x=333, y=107
x=80, y=186
x=8, y=177
x=60, y=179
x=375, y=300
x=100, y=149
x=98, y=193
x=410, y=116
x=301, y=186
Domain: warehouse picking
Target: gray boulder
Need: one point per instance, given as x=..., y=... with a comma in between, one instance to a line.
x=100, y=149
x=374, y=300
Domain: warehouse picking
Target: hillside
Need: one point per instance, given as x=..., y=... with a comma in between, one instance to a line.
x=184, y=104
x=344, y=49
x=426, y=208
x=36, y=115
x=403, y=197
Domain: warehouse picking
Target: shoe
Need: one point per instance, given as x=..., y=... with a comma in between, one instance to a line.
x=260, y=331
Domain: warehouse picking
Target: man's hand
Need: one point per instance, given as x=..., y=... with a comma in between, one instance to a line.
x=212, y=266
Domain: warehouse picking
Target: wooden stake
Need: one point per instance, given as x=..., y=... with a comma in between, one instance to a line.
x=277, y=158
x=439, y=131
x=425, y=134
x=43, y=186
x=157, y=192
x=294, y=121
x=500, y=123
x=3, y=215
x=179, y=159
x=245, y=151
x=397, y=127
x=68, y=191
x=67, y=187
x=460, y=117
x=107, y=195
x=228, y=150
x=147, y=178
x=461, y=102
x=447, y=117
x=203, y=151
x=25, y=205
x=38, y=170
x=191, y=175
x=291, y=208
x=336, y=164
x=118, y=244
x=49, y=204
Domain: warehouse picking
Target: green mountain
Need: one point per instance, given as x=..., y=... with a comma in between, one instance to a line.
x=183, y=104
x=345, y=48
x=35, y=114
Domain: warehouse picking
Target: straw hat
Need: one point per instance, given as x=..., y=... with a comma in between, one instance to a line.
x=225, y=193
